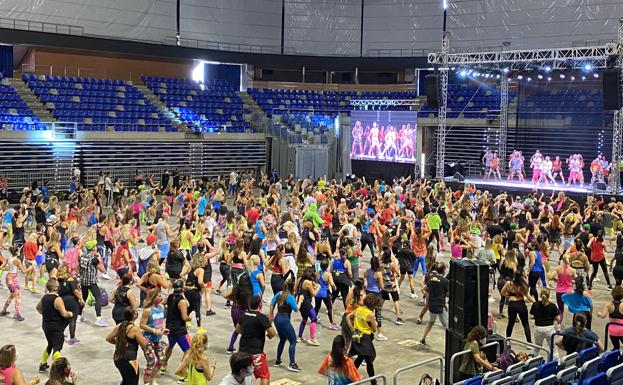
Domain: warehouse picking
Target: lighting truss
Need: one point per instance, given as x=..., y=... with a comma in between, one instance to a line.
x=384, y=102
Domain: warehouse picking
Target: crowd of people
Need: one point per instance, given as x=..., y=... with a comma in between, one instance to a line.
x=292, y=246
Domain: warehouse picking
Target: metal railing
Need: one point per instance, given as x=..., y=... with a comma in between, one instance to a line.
x=370, y=379
x=233, y=47
x=397, y=52
x=526, y=344
x=464, y=352
x=418, y=364
x=552, y=347
x=39, y=69
x=38, y=26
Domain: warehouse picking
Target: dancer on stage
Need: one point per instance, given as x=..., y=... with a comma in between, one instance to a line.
x=406, y=147
x=515, y=165
x=557, y=169
x=546, y=172
x=375, y=144
x=486, y=161
x=357, y=139
x=495, y=167
x=599, y=169
x=575, y=170
x=536, y=163
x=390, y=143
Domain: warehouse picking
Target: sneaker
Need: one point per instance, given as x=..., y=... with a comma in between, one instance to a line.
x=419, y=321
x=18, y=317
x=333, y=326
x=106, y=276
x=423, y=344
x=501, y=316
x=413, y=295
x=218, y=291
x=81, y=318
x=294, y=367
x=43, y=367
x=4, y=313
x=101, y=323
x=163, y=369
x=42, y=280
x=230, y=350
x=399, y=321
x=313, y=342
x=300, y=339
x=34, y=290
x=381, y=337
x=181, y=380
x=210, y=312
x=73, y=341
x=278, y=363
x=227, y=305
x=609, y=287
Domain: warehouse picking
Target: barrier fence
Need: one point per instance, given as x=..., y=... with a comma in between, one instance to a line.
x=418, y=364
x=371, y=379
x=464, y=352
x=607, y=333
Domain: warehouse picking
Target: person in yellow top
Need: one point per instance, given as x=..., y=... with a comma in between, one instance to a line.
x=363, y=324
x=186, y=239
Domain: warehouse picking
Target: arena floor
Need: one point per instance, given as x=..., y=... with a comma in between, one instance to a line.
x=91, y=359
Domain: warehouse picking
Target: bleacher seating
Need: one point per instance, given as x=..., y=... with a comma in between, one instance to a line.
x=98, y=104
x=14, y=112
x=205, y=107
x=473, y=102
x=583, y=368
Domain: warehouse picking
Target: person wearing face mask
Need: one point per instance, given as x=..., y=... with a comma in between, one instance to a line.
x=152, y=325
x=61, y=373
x=241, y=365
x=8, y=372
x=472, y=364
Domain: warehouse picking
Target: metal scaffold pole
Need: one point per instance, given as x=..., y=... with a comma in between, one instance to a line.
x=617, y=127
x=441, y=126
x=502, y=137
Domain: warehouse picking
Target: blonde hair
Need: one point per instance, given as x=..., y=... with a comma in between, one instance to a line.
x=197, y=261
x=544, y=295
x=255, y=260
x=197, y=347
x=153, y=267
x=63, y=271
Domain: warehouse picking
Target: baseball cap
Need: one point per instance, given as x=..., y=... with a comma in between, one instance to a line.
x=178, y=285
x=151, y=239
x=90, y=245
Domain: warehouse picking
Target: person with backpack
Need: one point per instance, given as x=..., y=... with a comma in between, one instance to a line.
x=122, y=297
x=90, y=264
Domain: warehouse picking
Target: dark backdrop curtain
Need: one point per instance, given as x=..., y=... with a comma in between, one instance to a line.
x=6, y=60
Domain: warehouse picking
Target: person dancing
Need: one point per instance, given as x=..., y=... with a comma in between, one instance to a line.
x=515, y=165
x=495, y=167
x=557, y=169
x=546, y=171
x=390, y=143
x=575, y=170
x=536, y=163
x=375, y=144
x=357, y=137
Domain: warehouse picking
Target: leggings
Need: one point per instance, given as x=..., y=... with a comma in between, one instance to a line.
x=533, y=279
x=286, y=333
x=369, y=365
x=277, y=283
x=616, y=341
x=367, y=239
x=561, y=306
x=225, y=274
x=194, y=300
x=503, y=301
x=327, y=303
x=129, y=371
x=156, y=357
x=307, y=312
x=434, y=235
x=12, y=283
x=55, y=340
x=420, y=260
x=97, y=295
x=341, y=288
x=596, y=265
x=518, y=308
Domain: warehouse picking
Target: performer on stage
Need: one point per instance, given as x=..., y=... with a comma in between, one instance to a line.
x=514, y=166
x=495, y=167
x=390, y=143
x=546, y=171
x=536, y=162
x=575, y=170
x=557, y=169
x=357, y=139
x=599, y=169
x=486, y=160
x=406, y=148
x=375, y=144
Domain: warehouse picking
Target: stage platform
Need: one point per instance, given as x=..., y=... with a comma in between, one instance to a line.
x=527, y=186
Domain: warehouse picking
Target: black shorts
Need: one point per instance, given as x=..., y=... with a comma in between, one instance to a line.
x=393, y=294
x=207, y=274
x=406, y=261
x=51, y=264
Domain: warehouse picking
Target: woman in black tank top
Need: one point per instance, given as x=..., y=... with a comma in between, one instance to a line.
x=127, y=337
x=123, y=297
x=612, y=310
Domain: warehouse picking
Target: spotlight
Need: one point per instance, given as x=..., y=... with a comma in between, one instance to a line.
x=452, y=68
x=529, y=79
x=562, y=76
x=497, y=76
x=469, y=72
x=505, y=70
x=520, y=77
x=548, y=69
x=596, y=75
x=572, y=78
x=476, y=74
x=445, y=4
x=540, y=77
x=549, y=79
x=463, y=73
x=588, y=67
x=583, y=77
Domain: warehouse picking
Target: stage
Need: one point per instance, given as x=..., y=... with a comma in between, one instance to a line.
x=527, y=186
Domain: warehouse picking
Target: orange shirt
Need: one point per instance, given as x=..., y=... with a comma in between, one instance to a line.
x=30, y=250
x=345, y=375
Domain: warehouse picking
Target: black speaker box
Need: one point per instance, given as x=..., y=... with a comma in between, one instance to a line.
x=432, y=91
x=454, y=344
x=469, y=294
x=600, y=186
x=459, y=177
x=611, y=86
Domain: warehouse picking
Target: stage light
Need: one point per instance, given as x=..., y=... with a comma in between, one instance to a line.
x=529, y=79
x=596, y=75
x=572, y=78
x=469, y=72
x=520, y=77
x=540, y=77
x=476, y=74
x=548, y=69
x=452, y=68
x=445, y=4
x=588, y=67
x=497, y=76
x=562, y=76
x=583, y=77
x=549, y=79
x=463, y=73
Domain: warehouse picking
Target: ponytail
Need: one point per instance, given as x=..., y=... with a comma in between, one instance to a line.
x=579, y=324
x=544, y=295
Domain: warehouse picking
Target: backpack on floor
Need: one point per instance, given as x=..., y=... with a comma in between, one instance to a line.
x=507, y=358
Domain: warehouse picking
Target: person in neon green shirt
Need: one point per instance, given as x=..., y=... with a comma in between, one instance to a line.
x=434, y=224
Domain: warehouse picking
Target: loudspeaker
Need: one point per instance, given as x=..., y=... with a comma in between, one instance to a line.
x=469, y=295
x=432, y=91
x=454, y=344
x=612, y=93
x=600, y=186
x=459, y=177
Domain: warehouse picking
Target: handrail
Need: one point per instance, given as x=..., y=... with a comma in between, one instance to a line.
x=606, y=333
x=464, y=352
x=527, y=344
x=370, y=379
x=40, y=26
x=41, y=69
x=417, y=364
x=551, y=343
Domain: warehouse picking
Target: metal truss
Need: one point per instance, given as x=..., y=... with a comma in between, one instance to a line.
x=617, y=127
x=597, y=54
x=384, y=102
x=443, y=105
x=503, y=133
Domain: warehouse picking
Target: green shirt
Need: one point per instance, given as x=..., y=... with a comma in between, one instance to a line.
x=434, y=221
x=468, y=363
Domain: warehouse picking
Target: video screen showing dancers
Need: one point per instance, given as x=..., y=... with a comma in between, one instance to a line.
x=383, y=135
